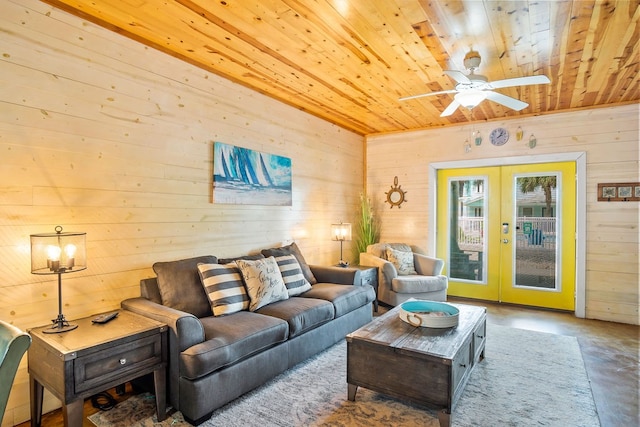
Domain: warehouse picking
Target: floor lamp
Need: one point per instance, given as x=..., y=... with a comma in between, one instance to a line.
x=58, y=253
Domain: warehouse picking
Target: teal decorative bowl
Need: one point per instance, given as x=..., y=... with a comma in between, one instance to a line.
x=429, y=314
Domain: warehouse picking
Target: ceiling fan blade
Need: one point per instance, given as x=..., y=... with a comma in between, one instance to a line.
x=458, y=76
x=507, y=101
x=427, y=94
x=450, y=109
x=519, y=81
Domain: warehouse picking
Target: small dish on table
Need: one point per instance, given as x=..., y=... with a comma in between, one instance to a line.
x=429, y=314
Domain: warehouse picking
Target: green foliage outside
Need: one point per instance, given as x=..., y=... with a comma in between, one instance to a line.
x=547, y=183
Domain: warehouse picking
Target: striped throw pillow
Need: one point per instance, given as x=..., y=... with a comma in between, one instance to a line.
x=292, y=275
x=224, y=287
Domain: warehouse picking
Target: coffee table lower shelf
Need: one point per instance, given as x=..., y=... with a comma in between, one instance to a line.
x=423, y=365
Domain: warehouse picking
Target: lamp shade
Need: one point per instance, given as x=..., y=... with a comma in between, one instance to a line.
x=470, y=98
x=341, y=232
x=57, y=253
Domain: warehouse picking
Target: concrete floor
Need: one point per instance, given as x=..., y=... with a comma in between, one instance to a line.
x=610, y=352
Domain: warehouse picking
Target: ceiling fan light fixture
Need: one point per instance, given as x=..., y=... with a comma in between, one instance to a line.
x=470, y=98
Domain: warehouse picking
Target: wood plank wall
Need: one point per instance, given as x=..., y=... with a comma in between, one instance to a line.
x=608, y=136
x=101, y=134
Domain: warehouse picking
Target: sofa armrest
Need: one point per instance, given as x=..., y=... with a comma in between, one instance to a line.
x=385, y=267
x=333, y=274
x=427, y=266
x=386, y=273
x=186, y=327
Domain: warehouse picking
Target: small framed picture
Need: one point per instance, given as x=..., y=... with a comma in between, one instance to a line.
x=624, y=191
x=608, y=192
x=619, y=192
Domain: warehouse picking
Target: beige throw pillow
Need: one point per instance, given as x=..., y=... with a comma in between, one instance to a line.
x=263, y=280
x=402, y=261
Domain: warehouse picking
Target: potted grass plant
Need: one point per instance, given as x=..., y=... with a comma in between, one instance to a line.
x=367, y=228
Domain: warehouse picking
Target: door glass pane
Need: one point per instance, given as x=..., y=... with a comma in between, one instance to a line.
x=536, y=246
x=467, y=206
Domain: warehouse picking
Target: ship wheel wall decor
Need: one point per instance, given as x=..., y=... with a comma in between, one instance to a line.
x=395, y=196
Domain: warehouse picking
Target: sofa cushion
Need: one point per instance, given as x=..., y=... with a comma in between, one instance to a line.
x=224, y=287
x=402, y=261
x=293, y=249
x=345, y=298
x=292, y=275
x=263, y=280
x=180, y=285
x=418, y=284
x=234, y=259
x=302, y=314
x=229, y=339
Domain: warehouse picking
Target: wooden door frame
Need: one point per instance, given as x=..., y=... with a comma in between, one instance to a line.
x=580, y=158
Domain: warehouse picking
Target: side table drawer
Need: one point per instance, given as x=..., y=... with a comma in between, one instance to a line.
x=479, y=339
x=108, y=364
x=461, y=365
x=368, y=276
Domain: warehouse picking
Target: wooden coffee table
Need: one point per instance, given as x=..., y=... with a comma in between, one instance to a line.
x=424, y=365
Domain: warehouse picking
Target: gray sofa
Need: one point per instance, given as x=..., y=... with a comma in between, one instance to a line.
x=215, y=359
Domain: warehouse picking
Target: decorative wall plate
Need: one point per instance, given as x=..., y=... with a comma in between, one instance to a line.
x=395, y=196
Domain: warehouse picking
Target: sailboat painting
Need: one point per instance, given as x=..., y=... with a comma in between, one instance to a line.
x=246, y=177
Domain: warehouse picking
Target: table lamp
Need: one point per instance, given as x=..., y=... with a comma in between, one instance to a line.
x=341, y=232
x=58, y=253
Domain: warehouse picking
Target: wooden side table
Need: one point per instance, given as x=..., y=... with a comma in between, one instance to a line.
x=367, y=276
x=93, y=358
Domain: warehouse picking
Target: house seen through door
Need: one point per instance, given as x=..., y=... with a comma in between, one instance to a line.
x=507, y=233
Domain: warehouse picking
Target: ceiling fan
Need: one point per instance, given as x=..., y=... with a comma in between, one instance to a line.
x=472, y=89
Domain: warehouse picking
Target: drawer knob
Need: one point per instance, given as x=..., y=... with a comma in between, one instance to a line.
x=123, y=361
x=463, y=365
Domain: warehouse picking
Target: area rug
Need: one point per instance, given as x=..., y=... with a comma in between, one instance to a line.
x=526, y=379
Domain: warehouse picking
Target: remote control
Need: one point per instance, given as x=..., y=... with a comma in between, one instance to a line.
x=104, y=318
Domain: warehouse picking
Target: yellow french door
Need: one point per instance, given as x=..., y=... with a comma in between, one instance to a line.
x=507, y=233
x=467, y=239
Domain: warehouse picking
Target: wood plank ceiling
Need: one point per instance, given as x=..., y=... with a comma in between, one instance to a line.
x=349, y=61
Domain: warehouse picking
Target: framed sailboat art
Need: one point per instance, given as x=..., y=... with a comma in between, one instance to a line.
x=247, y=177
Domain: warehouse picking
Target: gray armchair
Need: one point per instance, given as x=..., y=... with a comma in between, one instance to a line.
x=13, y=344
x=420, y=279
